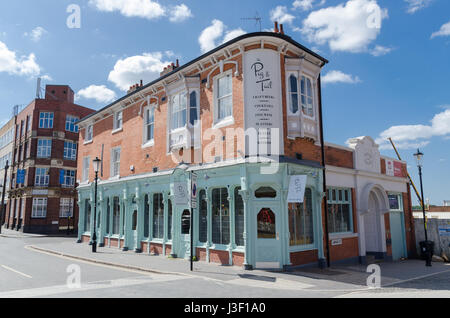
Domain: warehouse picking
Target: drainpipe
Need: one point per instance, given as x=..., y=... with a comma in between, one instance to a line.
x=327, y=236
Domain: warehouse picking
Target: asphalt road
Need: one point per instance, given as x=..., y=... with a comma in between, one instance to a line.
x=28, y=273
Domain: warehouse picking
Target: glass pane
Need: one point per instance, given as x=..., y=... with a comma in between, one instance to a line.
x=203, y=217
x=220, y=216
x=294, y=103
x=169, y=220
x=239, y=217
x=293, y=84
x=186, y=222
x=266, y=224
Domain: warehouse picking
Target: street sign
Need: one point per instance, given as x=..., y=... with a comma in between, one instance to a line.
x=193, y=190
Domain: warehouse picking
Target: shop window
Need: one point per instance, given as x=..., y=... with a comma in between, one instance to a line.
x=203, y=217
x=87, y=215
x=186, y=222
x=169, y=220
x=238, y=217
x=116, y=216
x=220, y=216
x=134, y=221
x=266, y=224
x=146, y=216
x=108, y=216
x=158, y=216
x=301, y=222
x=339, y=211
x=265, y=192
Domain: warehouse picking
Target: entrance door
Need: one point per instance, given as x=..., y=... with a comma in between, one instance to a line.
x=268, y=243
x=134, y=236
x=185, y=235
x=397, y=235
x=371, y=226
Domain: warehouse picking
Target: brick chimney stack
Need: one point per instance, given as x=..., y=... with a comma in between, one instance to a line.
x=170, y=68
x=135, y=87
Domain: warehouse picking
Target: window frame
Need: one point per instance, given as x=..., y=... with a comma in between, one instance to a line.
x=146, y=141
x=39, y=177
x=400, y=201
x=197, y=107
x=71, y=150
x=313, y=95
x=118, y=125
x=229, y=120
x=68, y=176
x=66, y=204
x=289, y=94
x=338, y=201
x=89, y=136
x=50, y=119
x=85, y=170
x=313, y=245
x=35, y=208
x=113, y=162
x=71, y=120
x=47, y=148
x=178, y=95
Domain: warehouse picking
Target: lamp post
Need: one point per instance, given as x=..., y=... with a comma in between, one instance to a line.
x=2, y=211
x=427, y=248
x=96, y=162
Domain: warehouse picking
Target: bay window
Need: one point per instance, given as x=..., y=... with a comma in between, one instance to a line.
x=293, y=94
x=307, y=96
x=178, y=111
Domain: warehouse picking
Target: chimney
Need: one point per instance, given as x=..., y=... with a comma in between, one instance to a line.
x=142, y=84
x=281, y=29
x=276, y=27
x=169, y=68
x=134, y=88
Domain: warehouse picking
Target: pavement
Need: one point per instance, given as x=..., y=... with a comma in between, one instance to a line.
x=409, y=278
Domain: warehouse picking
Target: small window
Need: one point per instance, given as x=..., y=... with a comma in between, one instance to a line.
x=293, y=94
x=186, y=222
x=70, y=123
x=307, y=96
x=118, y=120
x=89, y=133
x=149, y=124
x=266, y=224
x=224, y=97
x=395, y=202
x=265, y=192
x=178, y=112
x=193, y=109
x=46, y=120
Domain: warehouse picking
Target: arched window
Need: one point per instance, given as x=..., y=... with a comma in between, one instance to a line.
x=220, y=216
x=307, y=96
x=203, y=217
x=293, y=94
x=193, y=110
x=265, y=192
x=266, y=224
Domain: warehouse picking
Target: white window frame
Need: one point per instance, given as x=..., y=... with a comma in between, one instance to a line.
x=118, y=124
x=306, y=76
x=400, y=201
x=46, y=119
x=229, y=120
x=178, y=96
x=69, y=152
x=44, y=151
x=89, y=136
x=85, y=169
x=41, y=179
x=39, y=210
x=114, y=163
x=197, y=100
x=69, y=178
x=148, y=142
x=289, y=92
x=65, y=207
x=70, y=120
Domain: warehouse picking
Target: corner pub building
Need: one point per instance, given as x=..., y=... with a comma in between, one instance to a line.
x=242, y=218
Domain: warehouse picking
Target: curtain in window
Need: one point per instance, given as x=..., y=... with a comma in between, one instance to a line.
x=158, y=216
x=220, y=216
x=301, y=221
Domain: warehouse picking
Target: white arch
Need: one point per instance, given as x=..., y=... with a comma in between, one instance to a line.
x=380, y=194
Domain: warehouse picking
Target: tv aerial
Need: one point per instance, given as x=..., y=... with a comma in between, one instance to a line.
x=257, y=18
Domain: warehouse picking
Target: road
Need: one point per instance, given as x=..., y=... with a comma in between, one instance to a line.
x=28, y=273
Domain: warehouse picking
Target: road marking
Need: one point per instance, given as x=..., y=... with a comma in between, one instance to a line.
x=17, y=272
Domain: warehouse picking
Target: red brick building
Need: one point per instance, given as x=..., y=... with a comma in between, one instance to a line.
x=200, y=118
x=45, y=150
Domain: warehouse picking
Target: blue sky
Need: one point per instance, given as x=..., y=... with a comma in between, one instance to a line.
x=389, y=78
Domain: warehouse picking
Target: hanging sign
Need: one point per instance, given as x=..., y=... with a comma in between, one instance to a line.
x=181, y=193
x=297, y=186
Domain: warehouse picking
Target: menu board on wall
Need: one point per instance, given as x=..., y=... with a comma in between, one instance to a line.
x=263, y=103
x=393, y=168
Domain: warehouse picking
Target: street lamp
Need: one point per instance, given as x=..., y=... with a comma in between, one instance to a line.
x=427, y=247
x=96, y=163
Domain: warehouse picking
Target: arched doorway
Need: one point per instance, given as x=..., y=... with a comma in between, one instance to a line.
x=372, y=225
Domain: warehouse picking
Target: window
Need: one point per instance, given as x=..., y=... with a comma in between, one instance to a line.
x=69, y=178
x=239, y=217
x=41, y=177
x=186, y=222
x=85, y=172
x=44, y=149
x=115, y=162
x=178, y=114
x=220, y=216
x=28, y=127
x=118, y=119
x=395, y=202
x=224, y=97
x=87, y=215
x=46, y=120
x=66, y=207
x=266, y=224
x=22, y=128
x=193, y=108
x=265, y=192
x=307, y=96
x=149, y=124
x=70, y=150
x=339, y=210
x=89, y=133
x=39, y=208
x=108, y=216
x=116, y=216
x=169, y=220
x=293, y=94
x=301, y=221
x=70, y=123
x=158, y=216
x=203, y=217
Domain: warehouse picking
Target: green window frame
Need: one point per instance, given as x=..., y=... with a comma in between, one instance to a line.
x=340, y=210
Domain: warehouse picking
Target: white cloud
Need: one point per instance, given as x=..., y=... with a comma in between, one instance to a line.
x=46, y=77
x=131, y=8
x=415, y=5
x=36, y=33
x=180, y=13
x=340, y=77
x=380, y=50
x=13, y=65
x=412, y=136
x=281, y=15
x=131, y=70
x=100, y=93
x=444, y=31
x=210, y=36
x=305, y=5
x=347, y=27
